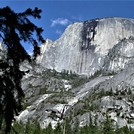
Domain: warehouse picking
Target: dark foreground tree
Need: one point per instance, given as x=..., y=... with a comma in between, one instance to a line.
x=15, y=28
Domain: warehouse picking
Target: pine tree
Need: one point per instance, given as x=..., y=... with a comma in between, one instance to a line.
x=67, y=127
x=76, y=125
x=117, y=131
x=125, y=130
x=27, y=127
x=37, y=129
x=48, y=130
x=15, y=28
x=107, y=126
x=58, y=129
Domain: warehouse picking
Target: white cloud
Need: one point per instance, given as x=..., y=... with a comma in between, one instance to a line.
x=60, y=21
x=58, y=32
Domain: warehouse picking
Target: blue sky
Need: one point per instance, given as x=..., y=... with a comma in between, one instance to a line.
x=56, y=15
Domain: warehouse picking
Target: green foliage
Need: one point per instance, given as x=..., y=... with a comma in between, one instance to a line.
x=65, y=128
x=56, y=101
x=88, y=103
x=48, y=130
x=125, y=130
x=93, y=107
x=76, y=82
x=43, y=90
x=90, y=130
x=102, y=93
x=58, y=129
x=75, y=79
x=76, y=126
x=107, y=126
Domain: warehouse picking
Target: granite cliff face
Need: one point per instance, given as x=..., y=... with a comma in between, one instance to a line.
x=83, y=47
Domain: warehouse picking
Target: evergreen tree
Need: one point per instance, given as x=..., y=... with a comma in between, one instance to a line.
x=76, y=125
x=84, y=130
x=107, y=126
x=27, y=127
x=67, y=127
x=48, y=130
x=125, y=130
x=37, y=129
x=15, y=28
x=58, y=129
x=117, y=131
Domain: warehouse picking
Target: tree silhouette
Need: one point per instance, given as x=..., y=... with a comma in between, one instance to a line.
x=15, y=28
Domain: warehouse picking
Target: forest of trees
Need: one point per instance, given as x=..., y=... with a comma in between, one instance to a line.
x=65, y=128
